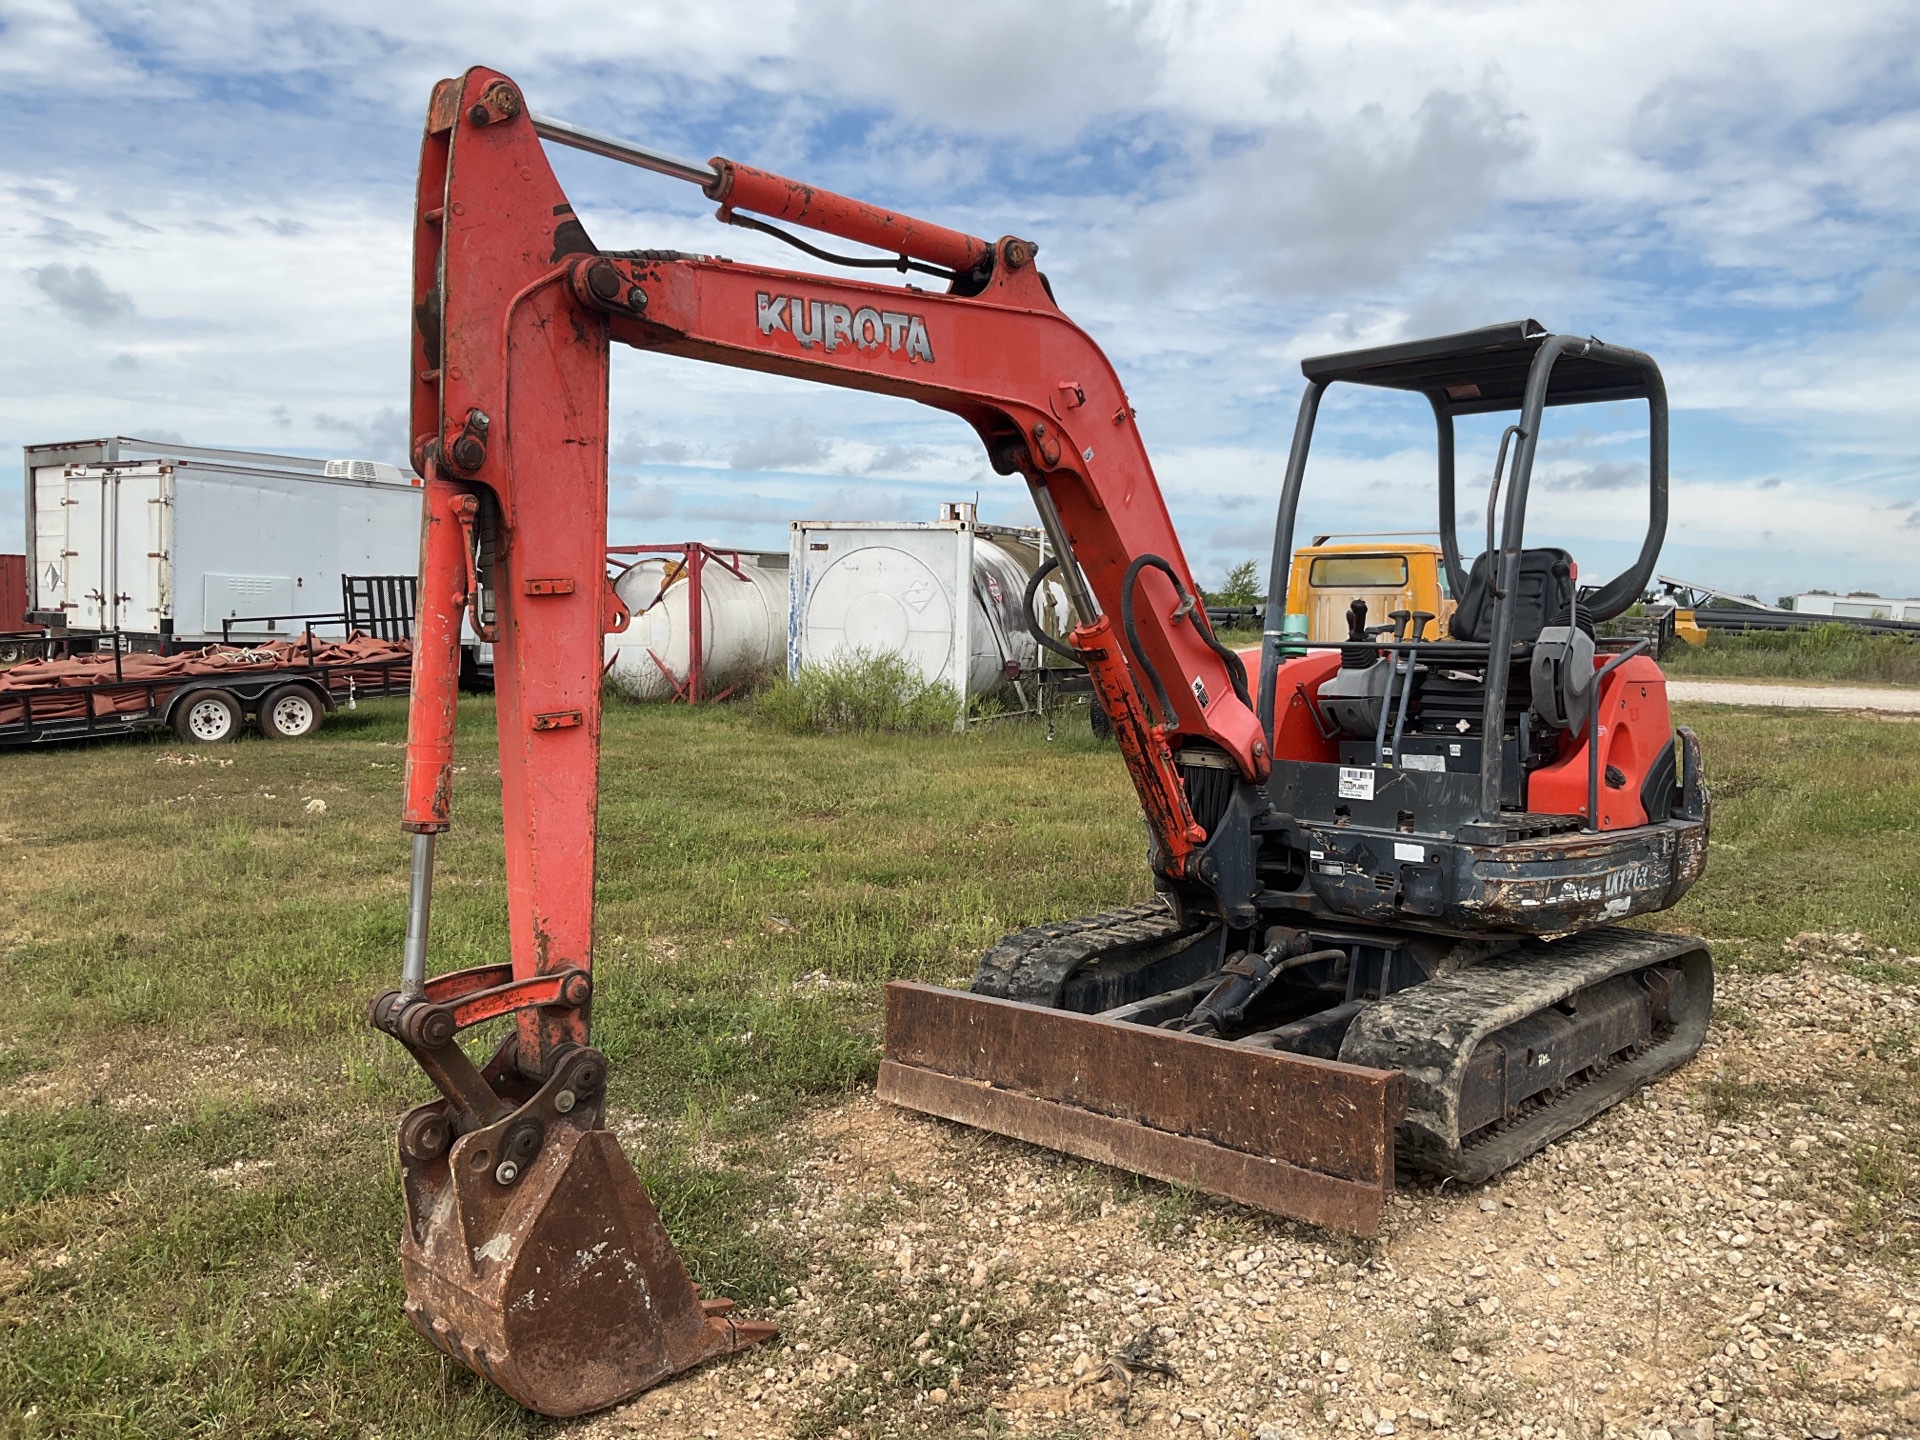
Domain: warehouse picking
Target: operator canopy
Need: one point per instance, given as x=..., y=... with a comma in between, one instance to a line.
x=1481, y=370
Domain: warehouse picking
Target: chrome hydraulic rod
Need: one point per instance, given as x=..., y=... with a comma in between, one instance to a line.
x=413, y=965
x=1079, y=597
x=645, y=156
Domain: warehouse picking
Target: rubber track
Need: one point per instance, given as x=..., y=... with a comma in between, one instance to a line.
x=1430, y=1031
x=1034, y=964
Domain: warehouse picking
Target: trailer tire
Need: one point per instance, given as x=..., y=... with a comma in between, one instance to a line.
x=1098, y=721
x=208, y=717
x=291, y=712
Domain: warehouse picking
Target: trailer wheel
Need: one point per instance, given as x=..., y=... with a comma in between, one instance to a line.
x=289, y=713
x=207, y=717
x=1098, y=721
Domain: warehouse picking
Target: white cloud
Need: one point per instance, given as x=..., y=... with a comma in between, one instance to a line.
x=1221, y=187
x=79, y=293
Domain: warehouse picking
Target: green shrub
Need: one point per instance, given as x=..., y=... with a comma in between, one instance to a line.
x=857, y=693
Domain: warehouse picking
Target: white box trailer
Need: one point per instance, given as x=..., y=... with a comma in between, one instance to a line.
x=162, y=542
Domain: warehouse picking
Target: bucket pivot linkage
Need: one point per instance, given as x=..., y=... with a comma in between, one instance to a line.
x=532, y=1254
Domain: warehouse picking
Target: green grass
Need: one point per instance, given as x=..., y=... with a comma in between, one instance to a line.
x=1815, y=824
x=1838, y=653
x=199, y=1207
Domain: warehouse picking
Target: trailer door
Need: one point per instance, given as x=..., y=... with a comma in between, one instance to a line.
x=142, y=505
x=80, y=546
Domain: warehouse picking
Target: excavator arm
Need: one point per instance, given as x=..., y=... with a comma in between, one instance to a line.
x=514, y=313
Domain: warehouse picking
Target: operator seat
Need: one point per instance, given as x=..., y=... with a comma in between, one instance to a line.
x=1543, y=596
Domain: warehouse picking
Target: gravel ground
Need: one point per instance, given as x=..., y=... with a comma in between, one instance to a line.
x=1729, y=1254
x=1789, y=696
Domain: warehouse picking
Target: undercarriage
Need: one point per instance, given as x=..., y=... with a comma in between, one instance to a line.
x=1451, y=1056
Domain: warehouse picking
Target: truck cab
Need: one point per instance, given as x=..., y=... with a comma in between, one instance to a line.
x=1385, y=571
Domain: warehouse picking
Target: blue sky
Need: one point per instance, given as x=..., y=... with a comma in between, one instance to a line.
x=208, y=215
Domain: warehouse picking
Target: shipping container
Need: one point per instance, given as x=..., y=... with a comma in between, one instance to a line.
x=946, y=595
x=1857, y=607
x=170, y=545
x=13, y=592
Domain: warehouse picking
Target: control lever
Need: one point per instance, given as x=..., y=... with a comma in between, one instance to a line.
x=1399, y=619
x=1421, y=619
x=1357, y=621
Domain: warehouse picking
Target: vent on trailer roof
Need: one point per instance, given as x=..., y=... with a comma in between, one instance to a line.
x=364, y=470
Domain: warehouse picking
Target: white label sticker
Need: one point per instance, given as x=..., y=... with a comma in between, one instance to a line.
x=1355, y=783
x=1316, y=854
x=1404, y=851
x=1423, y=762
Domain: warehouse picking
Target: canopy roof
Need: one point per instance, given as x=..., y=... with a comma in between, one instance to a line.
x=1482, y=370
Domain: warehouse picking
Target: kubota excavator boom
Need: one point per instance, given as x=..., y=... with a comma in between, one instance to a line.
x=514, y=311
x=1363, y=880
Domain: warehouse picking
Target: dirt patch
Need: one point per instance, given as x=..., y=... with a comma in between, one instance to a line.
x=1727, y=1253
x=143, y=1078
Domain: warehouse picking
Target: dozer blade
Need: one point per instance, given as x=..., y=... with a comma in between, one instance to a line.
x=1306, y=1138
x=561, y=1287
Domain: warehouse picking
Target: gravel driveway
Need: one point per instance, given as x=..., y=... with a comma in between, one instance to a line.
x=1882, y=699
x=1728, y=1254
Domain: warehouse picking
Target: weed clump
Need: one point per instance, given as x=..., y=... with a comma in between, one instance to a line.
x=857, y=693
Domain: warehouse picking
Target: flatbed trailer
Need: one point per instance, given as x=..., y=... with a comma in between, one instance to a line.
x=286, y=690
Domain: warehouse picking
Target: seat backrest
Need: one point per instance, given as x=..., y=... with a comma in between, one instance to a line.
x=1543, y=596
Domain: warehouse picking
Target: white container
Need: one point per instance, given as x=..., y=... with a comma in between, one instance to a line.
x=1857, y=607
x=161, y=540
x=743, y=623
x=945, y=595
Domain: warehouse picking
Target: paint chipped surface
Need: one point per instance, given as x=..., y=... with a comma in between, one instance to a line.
x=498, y=1248
x=584, y=1260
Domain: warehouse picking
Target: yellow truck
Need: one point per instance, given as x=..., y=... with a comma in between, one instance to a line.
x=1381, y=569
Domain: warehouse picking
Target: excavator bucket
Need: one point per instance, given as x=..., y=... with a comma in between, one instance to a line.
x=1297, y=1136
x=562, y=1287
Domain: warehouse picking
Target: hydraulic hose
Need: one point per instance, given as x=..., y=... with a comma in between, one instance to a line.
x=1168, y=716
x=1236, y=670
x=1034, y=627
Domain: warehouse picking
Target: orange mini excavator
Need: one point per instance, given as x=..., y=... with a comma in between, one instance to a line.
x=1386, y=869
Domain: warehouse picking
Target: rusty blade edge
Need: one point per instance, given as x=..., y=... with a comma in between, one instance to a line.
x=1262, y=1182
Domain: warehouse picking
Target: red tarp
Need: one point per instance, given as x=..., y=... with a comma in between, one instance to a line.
x=46, y=680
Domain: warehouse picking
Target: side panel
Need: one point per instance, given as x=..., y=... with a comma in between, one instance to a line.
x=286, y=540
x=1635, y=725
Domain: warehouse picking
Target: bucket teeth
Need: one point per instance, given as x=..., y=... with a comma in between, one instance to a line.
x=560, y=1287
